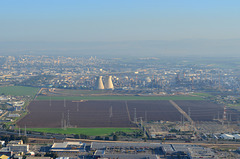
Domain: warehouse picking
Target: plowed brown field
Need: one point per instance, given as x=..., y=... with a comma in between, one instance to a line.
x=112, y=113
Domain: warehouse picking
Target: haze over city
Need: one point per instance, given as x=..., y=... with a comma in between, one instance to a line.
x=136, y=28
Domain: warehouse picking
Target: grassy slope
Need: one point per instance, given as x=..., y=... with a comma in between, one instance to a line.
x=86, y=131
x=120, y=98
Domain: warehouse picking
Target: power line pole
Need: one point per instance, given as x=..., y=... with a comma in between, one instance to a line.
x=110, y=112
x=62, y=121
x=50, y=102
x=68, y=120
x=145, y=116
x=189, y=112
x=77, y=106
x=25, y=131
x=135, y=115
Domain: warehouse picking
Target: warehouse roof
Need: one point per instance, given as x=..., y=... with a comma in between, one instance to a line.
x=67, y=145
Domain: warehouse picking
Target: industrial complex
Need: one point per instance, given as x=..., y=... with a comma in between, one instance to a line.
x=108, y=83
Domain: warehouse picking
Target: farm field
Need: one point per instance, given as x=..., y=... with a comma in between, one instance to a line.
x=119, y=98
x=201, y=110
x=76, y=114
x=88, y=131
x=18, y=90
x=110, y=113
x=154, y=110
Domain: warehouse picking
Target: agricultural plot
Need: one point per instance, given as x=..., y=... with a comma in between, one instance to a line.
x=232, y=114
x=112, y=113
x=201, y=110
x=87, y=131
x=19, y=90
x=53, y=114
x=56, y=114
x=153, y=110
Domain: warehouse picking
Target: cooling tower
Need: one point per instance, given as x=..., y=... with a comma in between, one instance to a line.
x=108, y=83
x=99, y=83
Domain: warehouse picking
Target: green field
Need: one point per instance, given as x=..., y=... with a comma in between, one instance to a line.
x=18, y=91
x=120, y=98
x=86, y=131
x=77, y=92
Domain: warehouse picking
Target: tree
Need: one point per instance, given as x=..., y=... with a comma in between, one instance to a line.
x=24, y=139
x=98, y=138
x=51, y=154
x=76, y=136
x=83, y=136
x=38, y=155
x=115, y=137
x=4, y=126
x=12, y=137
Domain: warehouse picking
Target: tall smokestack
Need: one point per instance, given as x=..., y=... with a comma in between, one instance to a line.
x=109, y=84
x=99, y=83
x=224, y=113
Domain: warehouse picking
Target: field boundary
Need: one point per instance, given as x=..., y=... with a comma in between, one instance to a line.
x=129, y=117
x=183, y=113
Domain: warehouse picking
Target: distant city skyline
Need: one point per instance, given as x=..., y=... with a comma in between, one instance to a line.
x=120, y=27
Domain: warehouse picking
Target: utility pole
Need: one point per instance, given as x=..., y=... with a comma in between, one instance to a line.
x=19, y=132
x=135, y=115
x=145, y=116
x=25, y=131
x=50, y=102
x=68, y=120
x=77, y=107
x=62, y=122
x=189, y=112
x=110, y=112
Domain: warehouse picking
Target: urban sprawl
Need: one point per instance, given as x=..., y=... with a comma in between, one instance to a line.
x=105, y=107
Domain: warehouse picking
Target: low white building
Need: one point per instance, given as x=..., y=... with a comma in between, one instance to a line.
x=2, y=142
x=18, y=148
x=236, y=136
x=68, y=147
x=227, y=137
x=13, y=115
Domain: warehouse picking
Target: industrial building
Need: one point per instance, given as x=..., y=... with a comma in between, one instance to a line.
x=148, y=150
x=15, y=146
x=108, y=83
x=18, y=148
x=68, y=147
x=230, y=137
x=99, y=83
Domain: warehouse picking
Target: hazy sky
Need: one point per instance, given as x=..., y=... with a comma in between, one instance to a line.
x=117, y=21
